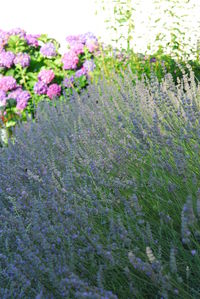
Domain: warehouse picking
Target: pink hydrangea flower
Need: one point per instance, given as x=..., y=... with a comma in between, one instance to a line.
x=7, y=59
x=7, y=83
x=77, y=47
x=70, y=60
x=17, y=31
x=91, y=44
x=40, y=88
x=46, y=76
x=23, y=59
x=72, y=38
x=32, y=40
x=4, y=37
x=53, y=91
x=15, y=93
x=48, y=50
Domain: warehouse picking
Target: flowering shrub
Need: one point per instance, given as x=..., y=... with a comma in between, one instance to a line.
x=103, y=197
x=29, y=63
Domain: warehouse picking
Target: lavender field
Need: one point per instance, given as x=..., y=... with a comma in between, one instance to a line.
x=100, y=196
x=99, y=170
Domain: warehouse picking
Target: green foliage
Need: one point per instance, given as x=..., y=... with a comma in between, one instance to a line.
x=143, y=65
x=16, y=44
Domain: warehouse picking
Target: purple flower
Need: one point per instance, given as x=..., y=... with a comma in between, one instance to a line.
x=17, y=31
x=53, y=91
x=4, y=34
x=80, y=72
x=7, y=83
x=89, y=65
x=32, y=40
x=4, y=37
x=92, y=44
x=40, y=88
x=67, y=82
x=77, y=42
x=193, y=252
x=7, y=59
x=153, y=59
x=22, y=97
x=23, y=59
x=14, y=94
x=77, y=47
x=22, y=100
x=46, y=76
x=2, y=98
x=70, y=60
x=48, y=50
x=86, y=36
x=72, y=38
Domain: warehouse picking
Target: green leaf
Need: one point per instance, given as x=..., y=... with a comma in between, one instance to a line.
x=32, y=76
x=10, y=72
x=16, y=44
x=10, y=103
x=43, y=38
x=10, y=123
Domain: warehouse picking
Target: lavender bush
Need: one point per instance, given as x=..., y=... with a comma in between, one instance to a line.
x=100, y=197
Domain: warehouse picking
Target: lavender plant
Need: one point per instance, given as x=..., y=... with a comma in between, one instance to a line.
x=99, y=196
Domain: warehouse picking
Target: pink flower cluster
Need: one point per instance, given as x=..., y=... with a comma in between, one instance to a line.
x=46, y=76
x=41, y=87
x=8, y=83
x=70, y=60
x=22, y=59
x=32, y=40
x=88, y=40
x=53, y=90
x=77, y=45
x=48, y=50
x=7, y=59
